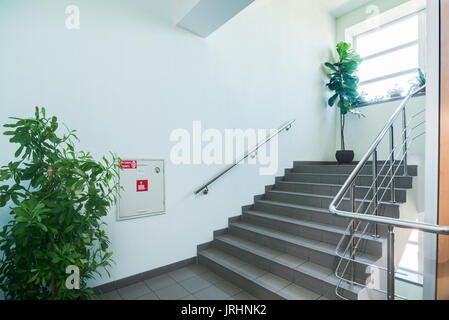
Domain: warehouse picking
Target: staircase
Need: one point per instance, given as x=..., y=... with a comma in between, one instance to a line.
x=284, y=245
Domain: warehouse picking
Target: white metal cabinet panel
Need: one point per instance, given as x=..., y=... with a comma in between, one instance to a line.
x=142, y=193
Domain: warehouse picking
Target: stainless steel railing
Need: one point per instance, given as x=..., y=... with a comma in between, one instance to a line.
x=205, y=187
x=367, y=213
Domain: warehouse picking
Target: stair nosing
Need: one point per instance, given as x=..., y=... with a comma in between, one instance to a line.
x=342, y=174
x=241, y=274
x=273, y=260
x=308, y=224
x=313, y=245
x=295, y=206
x=327, y=196
x=332, y=185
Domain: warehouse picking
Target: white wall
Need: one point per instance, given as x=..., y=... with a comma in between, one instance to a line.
x=129, y=77
x=362, y=13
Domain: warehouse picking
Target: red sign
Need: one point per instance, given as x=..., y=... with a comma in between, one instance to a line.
x=142, y=185
x=128, y=164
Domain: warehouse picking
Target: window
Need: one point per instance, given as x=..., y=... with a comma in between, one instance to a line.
x=393, y=50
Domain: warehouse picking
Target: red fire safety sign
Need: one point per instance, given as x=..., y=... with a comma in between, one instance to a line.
x=142, y=185
x=128, y=164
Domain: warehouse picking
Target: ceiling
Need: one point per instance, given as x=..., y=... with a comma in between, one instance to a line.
x=340, y=7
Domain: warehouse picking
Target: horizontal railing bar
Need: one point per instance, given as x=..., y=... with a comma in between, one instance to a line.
x=236, y=162
x=343, y=256
x=347, y=258
x=378, y=219
x=426, y=227
x=418, y=113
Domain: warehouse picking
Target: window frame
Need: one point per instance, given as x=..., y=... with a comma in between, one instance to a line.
x=383, y=20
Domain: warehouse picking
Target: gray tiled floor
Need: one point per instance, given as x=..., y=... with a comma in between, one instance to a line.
x=193, y=282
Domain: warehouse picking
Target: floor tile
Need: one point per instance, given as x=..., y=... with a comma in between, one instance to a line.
x=160, y=282
x=228, y=287
x=244, y=296
x=149, y=296
x=195, y=284
x=251, y=271
x=198, y=269
x=290, y=260
x=113, y=295
x=134, y=291
x=273, y=282
x=189, y=297
x=294, y=292
x=182, y=274
x=211, y=293
x=211, y=277
x=315, y=269
x=173, y=292
x=269, y=252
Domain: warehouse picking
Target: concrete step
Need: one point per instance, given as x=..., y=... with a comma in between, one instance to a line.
x=256, y=281
x=387, y=209
x=333, y=189
x=308, y=213
x=312, y=230
x=363, y=180
x=316, y=278
x=412, y=170
x=318, y=252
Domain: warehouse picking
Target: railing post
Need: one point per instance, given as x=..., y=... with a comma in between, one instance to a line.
x=393, y=193
x=390, y=264
x=375, y=191
x=353, y=206
x=404, y=138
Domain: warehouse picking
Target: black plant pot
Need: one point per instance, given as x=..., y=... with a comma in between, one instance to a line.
x=344, y=156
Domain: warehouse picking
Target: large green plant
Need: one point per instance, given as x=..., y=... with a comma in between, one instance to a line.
x=343, y=81
x=57, y=198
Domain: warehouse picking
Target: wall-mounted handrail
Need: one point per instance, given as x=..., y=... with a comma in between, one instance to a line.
x=204, y=187
x=349, y=186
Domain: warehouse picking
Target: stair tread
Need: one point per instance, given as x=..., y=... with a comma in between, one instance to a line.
x=327, y=184
x=312, y=244
x=325, y=196
x=295, y=206
x=341, y=174
x=283, y=288
x=308, y=223
x=304, y=266
x=346, y=165
x=279, y=257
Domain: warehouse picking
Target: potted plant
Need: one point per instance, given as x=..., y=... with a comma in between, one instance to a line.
x=343, y=81
x=57, y=198
x=419, y=81
x=396, y=92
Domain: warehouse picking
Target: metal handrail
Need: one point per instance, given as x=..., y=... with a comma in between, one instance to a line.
x=352, y=231
x=351, y=179
x=349, y=185
x=204, y=187
x=371, y=150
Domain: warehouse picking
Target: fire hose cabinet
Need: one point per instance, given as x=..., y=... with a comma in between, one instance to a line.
x=142, y=188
